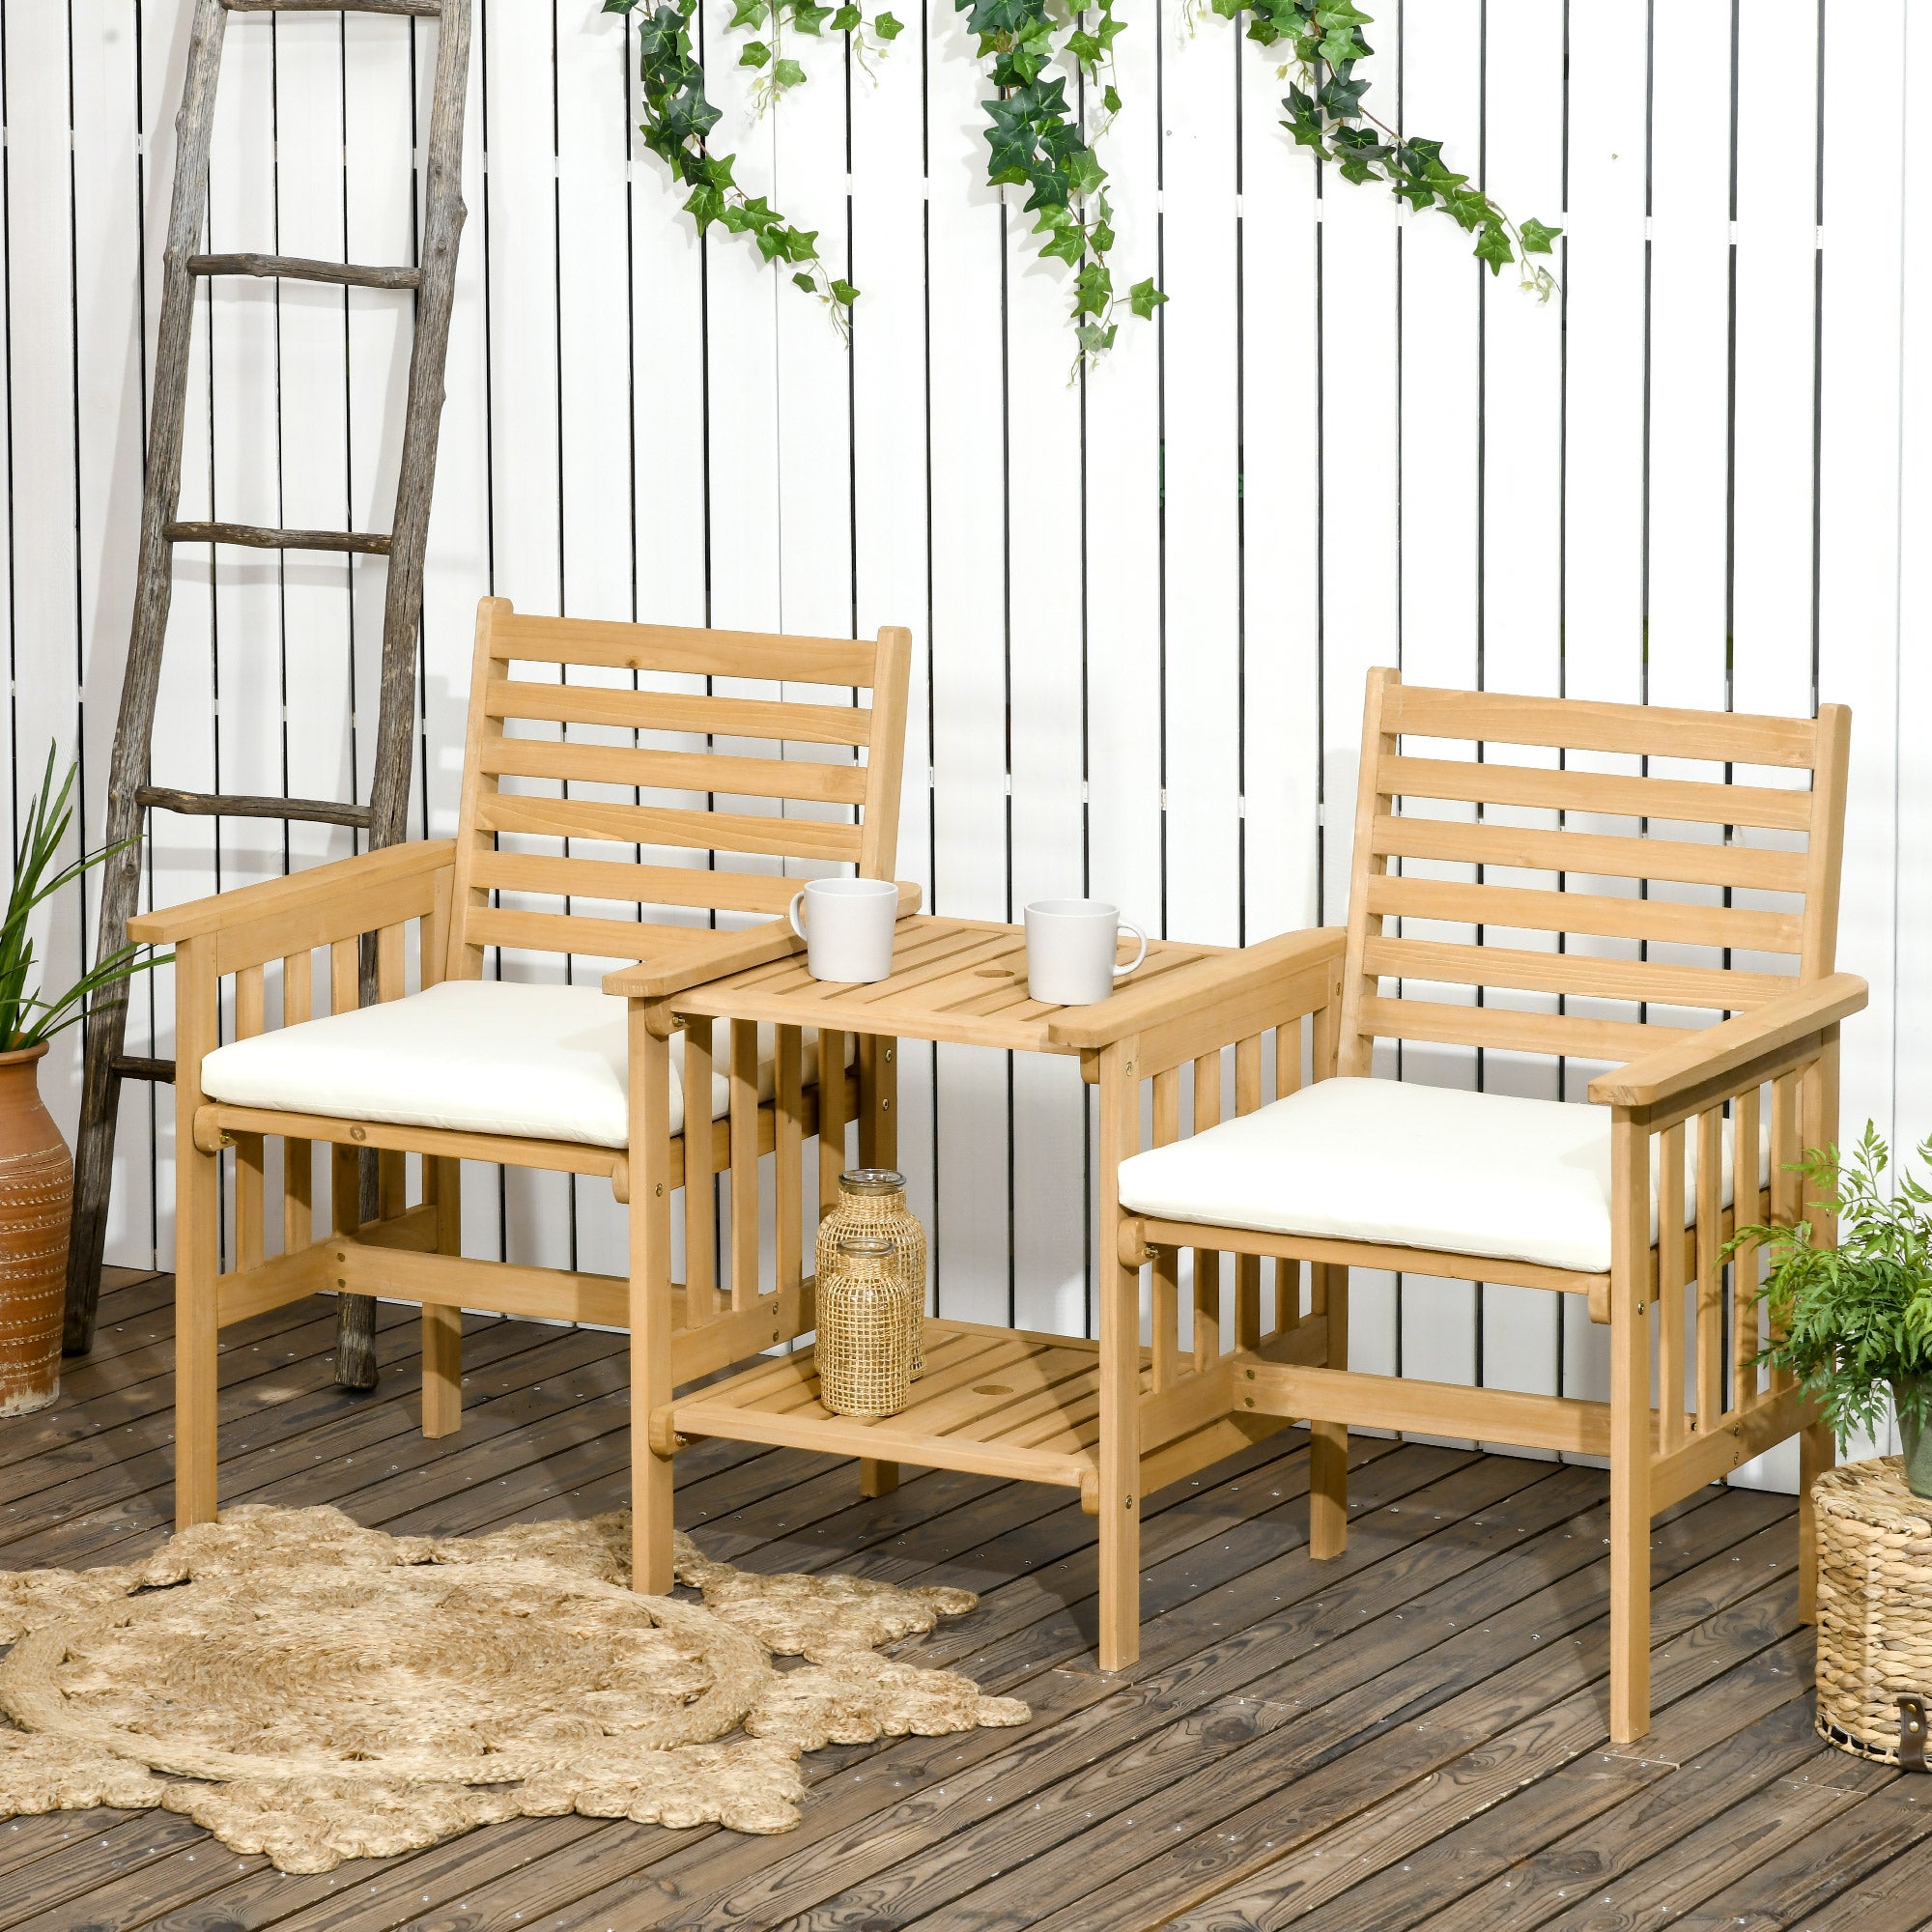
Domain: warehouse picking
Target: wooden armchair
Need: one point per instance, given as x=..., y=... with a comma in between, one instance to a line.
x=526, y=1075
x=1347, y=1171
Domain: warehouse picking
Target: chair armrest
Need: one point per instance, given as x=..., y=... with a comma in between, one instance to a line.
x=713, y=955
x=1189, y=988
x=340, y=880
x=1655, y=1079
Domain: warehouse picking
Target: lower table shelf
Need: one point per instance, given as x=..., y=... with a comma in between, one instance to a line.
x=995, y=1402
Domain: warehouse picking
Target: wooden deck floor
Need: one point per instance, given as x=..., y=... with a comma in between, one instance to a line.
x=1411, y=1737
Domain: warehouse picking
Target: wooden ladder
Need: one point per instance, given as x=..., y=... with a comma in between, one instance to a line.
x=130, y=793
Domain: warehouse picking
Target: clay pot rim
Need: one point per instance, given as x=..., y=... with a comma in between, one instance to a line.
x=22, y=1055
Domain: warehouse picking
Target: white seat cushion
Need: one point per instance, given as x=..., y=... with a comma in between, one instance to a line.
x=479, y=1056
x=1407, y=1165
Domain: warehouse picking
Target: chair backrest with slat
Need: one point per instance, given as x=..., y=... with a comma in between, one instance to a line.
x=606, y=735
x=1494, y=844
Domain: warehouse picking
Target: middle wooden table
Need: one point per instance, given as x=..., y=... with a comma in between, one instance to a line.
x=998, y=1401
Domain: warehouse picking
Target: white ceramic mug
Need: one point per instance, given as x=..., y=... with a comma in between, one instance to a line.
x=847, y=928
x=1070, y=947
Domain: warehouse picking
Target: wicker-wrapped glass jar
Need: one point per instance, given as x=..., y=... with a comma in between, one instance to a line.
x=864, y=1342
x=1874, y=1555
x=873, y=1201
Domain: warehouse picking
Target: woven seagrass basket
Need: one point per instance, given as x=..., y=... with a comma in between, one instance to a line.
x=865, y=1340
x=1874, y=1611
x=873, y=1201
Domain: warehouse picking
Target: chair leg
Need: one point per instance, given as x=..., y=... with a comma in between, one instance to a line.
x=1817, y=1452
x=649, y=1212
x=1118, y=1289
x=1630, y=1436
x=1328, y=1442
x=442, y=1327
x=877, y=1478
x=197, y=1332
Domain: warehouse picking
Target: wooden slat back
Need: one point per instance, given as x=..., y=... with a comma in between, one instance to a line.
x=731, y=859
x=1403, y=837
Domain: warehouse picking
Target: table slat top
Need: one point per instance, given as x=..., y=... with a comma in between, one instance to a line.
x=961, y=981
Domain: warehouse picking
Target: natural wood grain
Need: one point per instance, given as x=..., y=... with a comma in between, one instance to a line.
x=527, y=638
x=678, y=712
x=1602, y=915
x=679, y=771
x=263, y=536
x=1599, y=793
x=301, y=269
x=1655, y=730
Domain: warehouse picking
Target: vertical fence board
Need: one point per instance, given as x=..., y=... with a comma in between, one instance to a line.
x=1440, y=349
x=1361, y=557
x=1521, y=562
x=973, y=522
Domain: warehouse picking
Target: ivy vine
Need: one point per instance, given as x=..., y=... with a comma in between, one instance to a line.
x=1039, y=140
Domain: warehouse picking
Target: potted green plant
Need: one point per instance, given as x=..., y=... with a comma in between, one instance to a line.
x=36, y=1168
x=1853, y=1324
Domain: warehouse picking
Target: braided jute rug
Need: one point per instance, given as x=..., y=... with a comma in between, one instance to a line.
x=313, y=1690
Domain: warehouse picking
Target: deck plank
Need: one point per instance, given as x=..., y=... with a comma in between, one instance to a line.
x=1409, y=1736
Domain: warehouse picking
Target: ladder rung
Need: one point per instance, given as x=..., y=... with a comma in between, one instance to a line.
x=234, y=805
x=135, y=1067
x=300, y=269
x=423, y=9
x=257, y=536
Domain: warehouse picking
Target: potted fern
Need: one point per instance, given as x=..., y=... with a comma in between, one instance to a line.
x=1853, y=1324
x=36, y=1168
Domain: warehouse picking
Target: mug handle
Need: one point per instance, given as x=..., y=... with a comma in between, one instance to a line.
x=1121, y=972
x=797, y=900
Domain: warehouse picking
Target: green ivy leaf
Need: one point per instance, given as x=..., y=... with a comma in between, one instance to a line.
x=1101, y=236
x=807, y=18
x=1069, y=246
x=887, y=28
x=750, y=13
x=1308, y=133
x=1085, y=47
x=706, y=204
x=755, y=54
x=1111, y=101
x=993, y=16
x=802, y=280
x=848, y=20
x=787, y=73
x=1343, y=97
x=1537, y=237
x=1494, y=246
x=844, y=294
x=1084, y=172
x=618, y=5
x=1092, y=290
x=1144, y=299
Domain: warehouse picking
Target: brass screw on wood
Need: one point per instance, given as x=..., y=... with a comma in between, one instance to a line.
x=659, y=1189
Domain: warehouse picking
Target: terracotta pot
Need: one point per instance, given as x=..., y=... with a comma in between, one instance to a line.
x=36, y=1195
